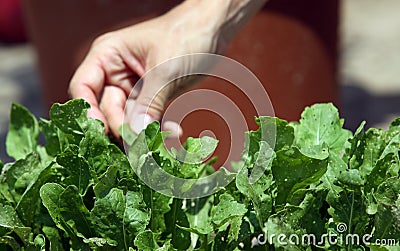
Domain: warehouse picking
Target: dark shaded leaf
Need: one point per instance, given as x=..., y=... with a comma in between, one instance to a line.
x=293, y=170
x=120, y=217
x=180, y=238
x=145, y=241
x=68, y=212
x=387, y=219
x=10, y=221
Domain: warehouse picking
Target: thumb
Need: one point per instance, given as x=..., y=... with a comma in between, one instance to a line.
x=149, y=106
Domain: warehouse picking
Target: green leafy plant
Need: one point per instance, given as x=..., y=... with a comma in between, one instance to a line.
x=79, y=190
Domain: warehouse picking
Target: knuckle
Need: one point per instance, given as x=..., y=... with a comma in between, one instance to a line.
x=102, y=38
x=154, y=106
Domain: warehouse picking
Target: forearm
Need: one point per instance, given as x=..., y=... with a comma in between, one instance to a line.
x=238, y=13
x=221, y=19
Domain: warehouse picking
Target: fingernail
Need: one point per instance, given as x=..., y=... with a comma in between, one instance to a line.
x=174, y=128
x=140, y=122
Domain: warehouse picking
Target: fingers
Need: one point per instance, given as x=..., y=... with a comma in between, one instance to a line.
x=138, y=121
x=87, y=83
x=112, y=105
x=104, y=66
x=149, y=104
x=173, y=127
x=109, y=72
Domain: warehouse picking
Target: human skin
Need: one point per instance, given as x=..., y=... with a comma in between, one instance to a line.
x=117, y=59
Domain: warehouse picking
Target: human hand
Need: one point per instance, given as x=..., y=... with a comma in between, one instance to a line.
x=117, y=59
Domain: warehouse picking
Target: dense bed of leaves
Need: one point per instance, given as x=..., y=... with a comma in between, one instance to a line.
x=79, y=192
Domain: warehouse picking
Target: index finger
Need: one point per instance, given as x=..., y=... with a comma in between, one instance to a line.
x=87, y=83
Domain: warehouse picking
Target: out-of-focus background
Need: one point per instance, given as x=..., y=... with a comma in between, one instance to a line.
x=370, y=61
x=369, y=68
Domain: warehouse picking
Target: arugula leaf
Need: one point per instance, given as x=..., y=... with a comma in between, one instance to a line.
x=138, y=149
x=294, y=178
x=8, y=241
x=321, y=124
x=145, y=241
x=29, y=204
x=39, y=243
x=387, y=218
x=55, y=140
x=298, y=221
x=159, y=206
x=106, y=182
x=197, y=149
x=275, y=227
x=127, y=134
x=22, y=137
x=197, y=212
x=54, y=238
x=356, y=150
x=293, y=170
x=76, y=167
x=349, y=208
x=68, y=212
x=276, y=133
x=180, y=238
x=10, y=221
x=370, y=152
x=260, y=193
x=19, y=174
x=70, y=117
x=226, y=210
x=119, y=217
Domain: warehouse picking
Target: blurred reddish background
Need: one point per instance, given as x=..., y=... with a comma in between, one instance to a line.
x=11, y=22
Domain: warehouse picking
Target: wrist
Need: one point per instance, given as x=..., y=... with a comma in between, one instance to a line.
x=219, y=19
